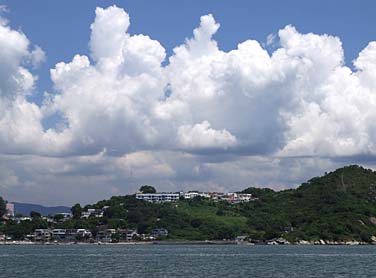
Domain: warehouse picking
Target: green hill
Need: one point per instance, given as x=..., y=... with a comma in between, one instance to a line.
x=338, y=206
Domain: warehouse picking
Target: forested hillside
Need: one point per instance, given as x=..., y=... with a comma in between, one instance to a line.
x=338, y=206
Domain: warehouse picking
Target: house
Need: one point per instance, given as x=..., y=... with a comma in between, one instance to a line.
x=48, y=219
x=235, y=198
x=83, y=233
x=194, y=194
x=65, y=216
x=24, y=218
x=216, y=195
x=131, y=234
x=127, y=234
x=243, y=197
x=92, y=212
x=59, y=234
x=105, y=235
x=42, y=235
x=159, y=232
x=71, y=235
x=241, y=238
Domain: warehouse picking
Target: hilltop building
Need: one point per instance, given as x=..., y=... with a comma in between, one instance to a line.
x=161, y=197
x=158, y=197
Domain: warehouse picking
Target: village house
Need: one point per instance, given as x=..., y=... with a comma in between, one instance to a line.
x=42, y=235
x=59, y=234
x=159, y=233
x=92, y=212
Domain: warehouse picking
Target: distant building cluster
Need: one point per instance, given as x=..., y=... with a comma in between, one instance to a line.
x=83, y=235
x=59, y=234
x=159, y=197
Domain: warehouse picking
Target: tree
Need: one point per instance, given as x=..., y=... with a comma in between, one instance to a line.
x=58, y=217
x=2, y=207
x=76, y=211
x=35, y=214
x=147, y=189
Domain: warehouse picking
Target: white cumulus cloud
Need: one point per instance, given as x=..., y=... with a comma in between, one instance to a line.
x=130, y=105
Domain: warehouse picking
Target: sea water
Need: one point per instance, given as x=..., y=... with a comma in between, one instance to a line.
x=186, y=261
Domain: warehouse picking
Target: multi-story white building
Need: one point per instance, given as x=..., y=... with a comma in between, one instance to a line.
x=194, y=194
x=158, y=197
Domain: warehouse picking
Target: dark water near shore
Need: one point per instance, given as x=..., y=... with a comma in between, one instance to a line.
x=187, y=261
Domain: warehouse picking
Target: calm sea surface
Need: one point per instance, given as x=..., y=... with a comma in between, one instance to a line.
x=187, y=261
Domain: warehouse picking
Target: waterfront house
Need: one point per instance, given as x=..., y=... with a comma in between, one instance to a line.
x=59, y=234
x=42, y=235
x=105, y=235
x=131, y=234
x=83, y=233
x=159, y=232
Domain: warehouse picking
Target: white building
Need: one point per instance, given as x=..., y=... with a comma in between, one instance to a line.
x=194, y=194
x=243, y=197
x=42, y=234
x=59, y=234
x=237, y=197
x=92, y=212
x=83, y=233
x=172, y=197
x=9, y=210
x=66, y=215
x=158, y=197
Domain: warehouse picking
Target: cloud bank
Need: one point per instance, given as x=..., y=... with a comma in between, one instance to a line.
x=197, y=113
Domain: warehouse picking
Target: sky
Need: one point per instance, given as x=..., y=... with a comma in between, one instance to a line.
x=100, y=97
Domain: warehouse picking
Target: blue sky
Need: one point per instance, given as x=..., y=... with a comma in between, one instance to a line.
x=224, y=111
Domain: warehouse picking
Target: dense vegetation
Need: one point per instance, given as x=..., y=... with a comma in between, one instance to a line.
x=338, y=206
x=2, y=206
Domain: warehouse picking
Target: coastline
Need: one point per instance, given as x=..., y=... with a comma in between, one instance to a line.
x=189, y=242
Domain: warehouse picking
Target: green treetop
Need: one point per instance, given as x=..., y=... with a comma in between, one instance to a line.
x=147, y=189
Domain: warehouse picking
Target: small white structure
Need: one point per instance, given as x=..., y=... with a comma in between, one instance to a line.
x=92, y=212
x=83, y=233
x=66, y=215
